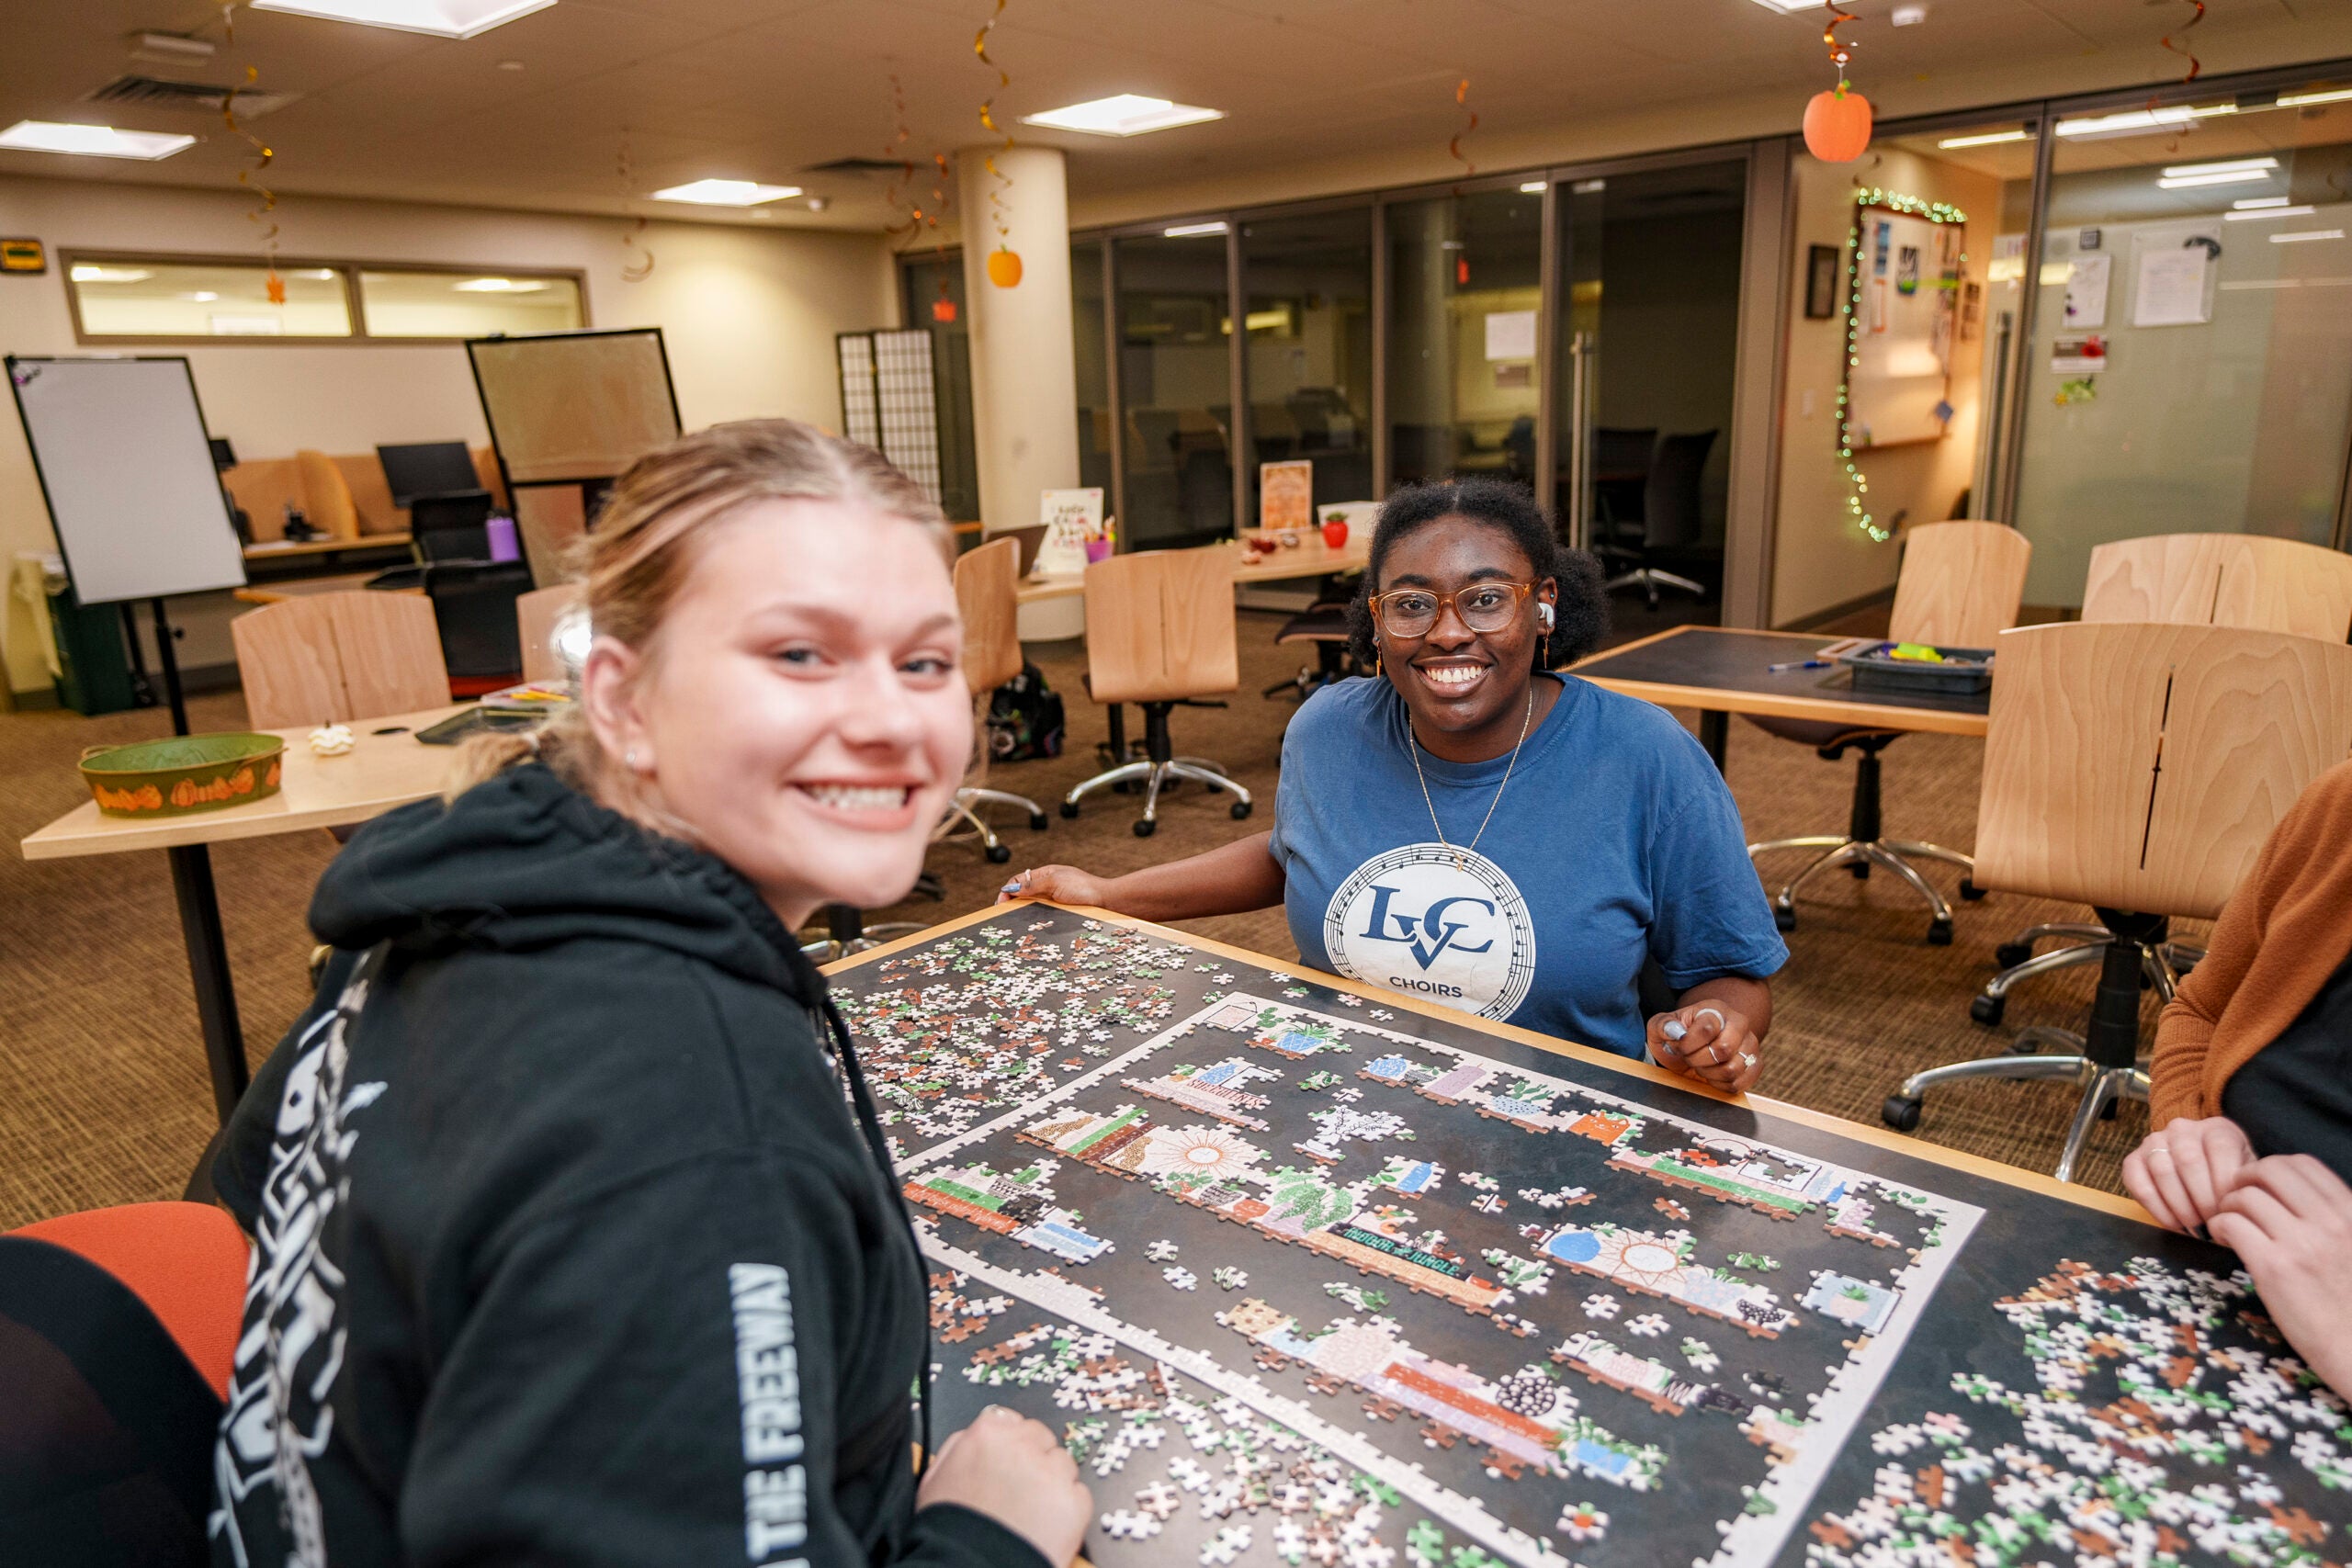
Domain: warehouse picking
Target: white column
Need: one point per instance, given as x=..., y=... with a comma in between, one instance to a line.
x=1024, y=374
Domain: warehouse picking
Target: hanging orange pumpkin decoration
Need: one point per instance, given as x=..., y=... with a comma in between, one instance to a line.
x=1004, y=267
x=1838, y=125
x=1837, y=122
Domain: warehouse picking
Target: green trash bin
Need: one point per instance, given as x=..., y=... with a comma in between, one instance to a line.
x=93, y=672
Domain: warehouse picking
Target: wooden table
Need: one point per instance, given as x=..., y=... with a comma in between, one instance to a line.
x=1722, y=671
x=384, y=770
x=283, y=588
x=1310, y=558
x=278, y=549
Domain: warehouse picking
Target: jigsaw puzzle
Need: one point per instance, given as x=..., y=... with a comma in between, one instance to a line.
x=1450, y=1301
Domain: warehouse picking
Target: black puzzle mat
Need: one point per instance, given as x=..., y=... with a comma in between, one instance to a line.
x=1301, y=1277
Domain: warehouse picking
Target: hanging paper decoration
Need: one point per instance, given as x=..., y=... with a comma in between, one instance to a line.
x=896, y=150
x=637, y=267
x=1453, y=151
x=1004, y=265
x=2196, y=67
x=1837, y=122
x=265, y=198
x=1857, y=484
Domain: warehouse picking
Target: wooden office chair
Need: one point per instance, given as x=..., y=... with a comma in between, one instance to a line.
x=1160, y=633
x=2137, y=767
x=986, y=578
x=334, y=658
x=536, y=614
x=1960, y=585
x=2221, y=580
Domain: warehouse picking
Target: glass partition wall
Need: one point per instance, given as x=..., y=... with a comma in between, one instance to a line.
x=2190, y=370
x=1465, y=281
x=1307, y=364
x=1175, y=371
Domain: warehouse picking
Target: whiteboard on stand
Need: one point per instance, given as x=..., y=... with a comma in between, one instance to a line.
x=127, y=469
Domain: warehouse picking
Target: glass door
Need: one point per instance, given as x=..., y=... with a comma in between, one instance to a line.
x=1465, y=297
x=1308, y=370
x=1175, y=386
x=2190, y=367
x=1646, y=342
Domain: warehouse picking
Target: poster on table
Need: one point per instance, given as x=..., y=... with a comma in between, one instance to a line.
x=1286, y=495
x=1072, y=518
x=1899, y=381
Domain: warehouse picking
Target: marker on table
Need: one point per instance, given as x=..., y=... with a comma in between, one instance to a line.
x=1799, y=664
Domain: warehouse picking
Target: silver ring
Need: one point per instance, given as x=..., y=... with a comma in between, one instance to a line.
x=1747, y=1060
x=2160, y=1149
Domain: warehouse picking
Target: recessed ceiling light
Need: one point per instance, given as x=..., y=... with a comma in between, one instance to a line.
x=1587, y=187
x=1792, y=5
x=316, y=274
x=95, y=141
x=2245, y=202
x=2218, y=177
x=2242, y=216
x=1985, y=139
x=726, y=193
x=1908, y=16
x=201, y=296
x=497, y=286
x=1127, y=114
x=85, y=272
x=2328, y=96
x=442, y=18
x=1188, y=230
x=1532, y=187
x=2218, y=166
x=2307, y=234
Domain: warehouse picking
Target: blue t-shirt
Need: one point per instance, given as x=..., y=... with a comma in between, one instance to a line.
x=1615, y=841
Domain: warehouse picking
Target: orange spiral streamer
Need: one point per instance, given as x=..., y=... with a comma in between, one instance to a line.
x=1453, y=148
x=1841, y=51
x=988, y=117
x=2196, y=67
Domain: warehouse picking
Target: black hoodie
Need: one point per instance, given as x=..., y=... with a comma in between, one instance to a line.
x=569, y=1249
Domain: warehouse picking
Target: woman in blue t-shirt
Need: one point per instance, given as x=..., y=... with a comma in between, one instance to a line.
x=1472, y=830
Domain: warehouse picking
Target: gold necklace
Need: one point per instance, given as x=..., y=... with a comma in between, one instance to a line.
x=1414, y=746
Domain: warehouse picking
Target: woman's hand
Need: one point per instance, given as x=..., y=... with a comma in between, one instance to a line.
x=2181, y=1171
x=1716, y=1045
x=2289, y=1218
x=1017, y=1472
x=1062, y=884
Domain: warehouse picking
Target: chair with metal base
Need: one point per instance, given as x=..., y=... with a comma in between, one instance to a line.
x=1324, y=627
x=1672, y=516
x=1959, y=585
x=987, y=580
x=1160, y=633
x=2222, y=580
x=2137, y=768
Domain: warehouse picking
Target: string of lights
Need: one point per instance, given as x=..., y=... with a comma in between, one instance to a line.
x=1857, y=484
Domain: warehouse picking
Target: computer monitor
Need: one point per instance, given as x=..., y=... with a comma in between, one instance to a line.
x=427, y=467
x=224, y=456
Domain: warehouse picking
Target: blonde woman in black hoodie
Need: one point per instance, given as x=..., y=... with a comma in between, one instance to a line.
x=576, y=1238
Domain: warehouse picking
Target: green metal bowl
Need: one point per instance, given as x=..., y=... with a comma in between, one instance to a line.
x=185, y=773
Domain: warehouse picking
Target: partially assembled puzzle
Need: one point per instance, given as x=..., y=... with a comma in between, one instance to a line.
x=1301, y=1277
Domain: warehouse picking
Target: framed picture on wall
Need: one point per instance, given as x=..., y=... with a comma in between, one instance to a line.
x=1820, y=283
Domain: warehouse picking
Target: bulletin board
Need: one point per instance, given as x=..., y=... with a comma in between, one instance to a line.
x=570, y=406
x=1897, y=383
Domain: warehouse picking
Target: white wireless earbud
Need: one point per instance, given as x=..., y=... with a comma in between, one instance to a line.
x=1544, y=615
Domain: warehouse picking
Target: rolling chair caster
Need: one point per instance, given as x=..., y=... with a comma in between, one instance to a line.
x=1900, y=1111
x=1987, y=1010
x=997, y=854
x=1037, y=820
x=1240, y=810
x=1145, y=826
x=1970, y=893
x=1785, y=918
x=1069, y=811
x=1940, y=932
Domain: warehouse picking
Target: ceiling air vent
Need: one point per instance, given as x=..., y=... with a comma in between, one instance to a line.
x=860, y=166
x=197, y=97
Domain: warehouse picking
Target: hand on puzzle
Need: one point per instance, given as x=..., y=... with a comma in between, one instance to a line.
x=2289, y=1218
x=1062, y=884
x=1017, y=1472
x=2181, y=1171
x=1716, y=1047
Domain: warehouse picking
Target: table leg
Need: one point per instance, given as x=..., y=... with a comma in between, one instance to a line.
x=208, y=964
x=1714, y=734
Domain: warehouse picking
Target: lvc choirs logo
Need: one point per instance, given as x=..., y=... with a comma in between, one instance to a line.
x=1440, y=923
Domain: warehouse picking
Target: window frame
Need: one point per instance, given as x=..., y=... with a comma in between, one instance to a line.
x=348, y=270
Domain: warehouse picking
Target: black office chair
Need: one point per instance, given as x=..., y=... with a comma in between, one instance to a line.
x=451, y=527
x=473, y=607
x=1621, y=473
x=1323, y=623
x=1672, y=517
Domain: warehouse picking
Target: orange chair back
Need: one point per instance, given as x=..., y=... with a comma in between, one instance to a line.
x=185, y=1261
